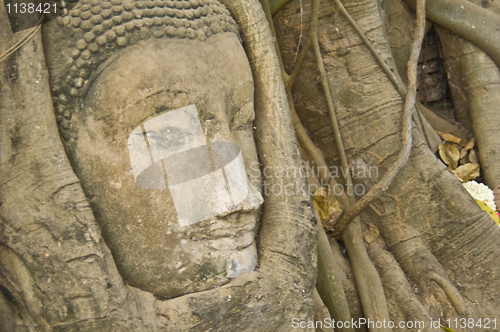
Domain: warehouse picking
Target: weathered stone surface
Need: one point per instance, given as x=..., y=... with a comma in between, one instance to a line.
x=150, y=248
x=152, y=251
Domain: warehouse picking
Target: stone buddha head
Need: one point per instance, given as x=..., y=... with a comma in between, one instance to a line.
x=118, y=65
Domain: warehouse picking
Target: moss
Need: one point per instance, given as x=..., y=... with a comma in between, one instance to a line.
x=36, y=271
x=207, y=270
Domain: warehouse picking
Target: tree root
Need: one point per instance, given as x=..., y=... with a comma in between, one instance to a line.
x=348, y=282
x=397, y=213
x=453, y=294
x=307, y=144
x=276, y=5
x=329, y=283
x=394, y=78
x=395, y=283
x=369, y=285
x=448, y=45
x=418, y=262
x=481, y=87
x=304, y=140
x=320, y=312
x=481, y=27
x=313, y=35
x=404, y=153
x=19, y=278
x=370, y=289
x=437, y=122
x=64, y=225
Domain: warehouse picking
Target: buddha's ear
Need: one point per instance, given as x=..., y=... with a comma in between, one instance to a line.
x=288, y=232
x=47, y=229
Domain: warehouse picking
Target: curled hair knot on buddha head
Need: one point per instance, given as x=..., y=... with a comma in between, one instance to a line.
x=97, y=29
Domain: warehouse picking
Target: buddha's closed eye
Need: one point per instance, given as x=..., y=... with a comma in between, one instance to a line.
x=169, y=136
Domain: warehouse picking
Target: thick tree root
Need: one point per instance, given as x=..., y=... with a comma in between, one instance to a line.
x=474, y=23
x=45, y=219
x=370, y=289
x=410, y=94
x=396, y=285
x=481, y=87
x=18, y=280
x=348, y=282
x=321, y=313
x=329, y=282
x=422, y=266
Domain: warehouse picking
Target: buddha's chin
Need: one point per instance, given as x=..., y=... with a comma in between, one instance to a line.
x=210, y=273
x=205, y=272
x=195, y=258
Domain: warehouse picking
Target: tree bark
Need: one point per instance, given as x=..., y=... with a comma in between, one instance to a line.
x=437, y=255
x=57, y=271
x=427, y=220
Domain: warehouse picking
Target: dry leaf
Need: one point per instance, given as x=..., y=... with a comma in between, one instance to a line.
x=370, y=233
x=449, y=154
x=449, y=137
x=467, y=147
x=464, y=160
x=467, y=172
x=326, y=205
x=473, y=157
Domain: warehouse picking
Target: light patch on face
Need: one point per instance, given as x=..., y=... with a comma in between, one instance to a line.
x=171, y=150
x=116, y=185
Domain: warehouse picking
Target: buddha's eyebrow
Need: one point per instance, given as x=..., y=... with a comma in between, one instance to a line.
x=152, y=94
x=134, y=102
x=149, y=98
x=172, y=92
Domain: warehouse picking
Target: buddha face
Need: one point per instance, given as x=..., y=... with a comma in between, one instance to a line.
x=141, y=227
